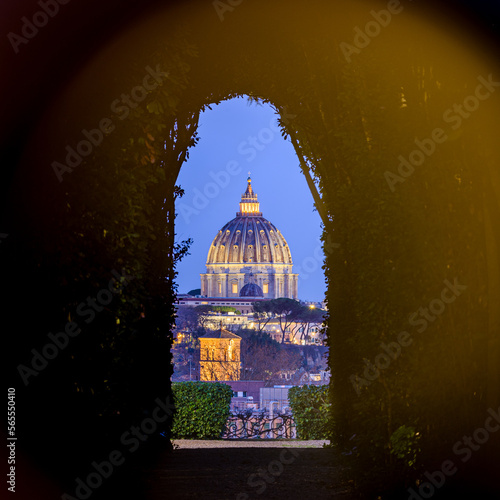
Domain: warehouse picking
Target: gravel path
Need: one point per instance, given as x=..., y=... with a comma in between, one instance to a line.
x=234, y=470
x=247, y=470
x=184, y=444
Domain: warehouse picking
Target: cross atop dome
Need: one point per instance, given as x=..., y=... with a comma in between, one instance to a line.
x=249, y=204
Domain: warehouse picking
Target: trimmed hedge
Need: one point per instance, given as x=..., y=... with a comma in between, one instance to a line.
x=311, y=411
x=202, y=409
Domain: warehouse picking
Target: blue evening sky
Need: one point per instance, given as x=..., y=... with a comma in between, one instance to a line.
x=237, y=137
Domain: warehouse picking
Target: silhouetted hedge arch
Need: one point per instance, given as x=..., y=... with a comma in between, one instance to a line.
x=355, y=118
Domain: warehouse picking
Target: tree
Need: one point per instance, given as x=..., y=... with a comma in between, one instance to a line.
x=263, y=358
x=202, y=313
x=305, y=317
x=286, y=310
x=263, y=313
x=186, y=319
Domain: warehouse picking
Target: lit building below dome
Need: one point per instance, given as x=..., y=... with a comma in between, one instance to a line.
x=220, y=355
x=249, y=250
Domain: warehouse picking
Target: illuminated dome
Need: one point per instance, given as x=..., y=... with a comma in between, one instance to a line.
x=249, y=245
x=249, y=237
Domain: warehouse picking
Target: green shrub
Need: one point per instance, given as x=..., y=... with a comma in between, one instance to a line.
x=404, y=444
x=311, y=411
x=202, y=409
x=225, y=309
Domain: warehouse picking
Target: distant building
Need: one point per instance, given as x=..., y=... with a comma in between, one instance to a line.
x=229, y=320
x=220, y=356
x=249, y=257
x=244, y=305
x=320, y=377
x=275, y=399
x=246, y=394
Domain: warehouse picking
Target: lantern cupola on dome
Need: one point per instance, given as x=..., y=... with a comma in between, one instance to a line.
x=249, y=204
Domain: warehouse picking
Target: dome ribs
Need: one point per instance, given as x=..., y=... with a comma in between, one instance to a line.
x=248, y=245
x=249, y=238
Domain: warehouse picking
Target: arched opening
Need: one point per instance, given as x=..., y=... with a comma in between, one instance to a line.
x=276, y=209
x=406, y=158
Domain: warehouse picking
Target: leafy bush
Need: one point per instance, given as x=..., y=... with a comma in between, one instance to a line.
x=404, y=444
x=311, y=411
x=225, y=309
x=202, y=409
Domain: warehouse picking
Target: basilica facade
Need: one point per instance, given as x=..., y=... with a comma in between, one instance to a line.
x=249, y=257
